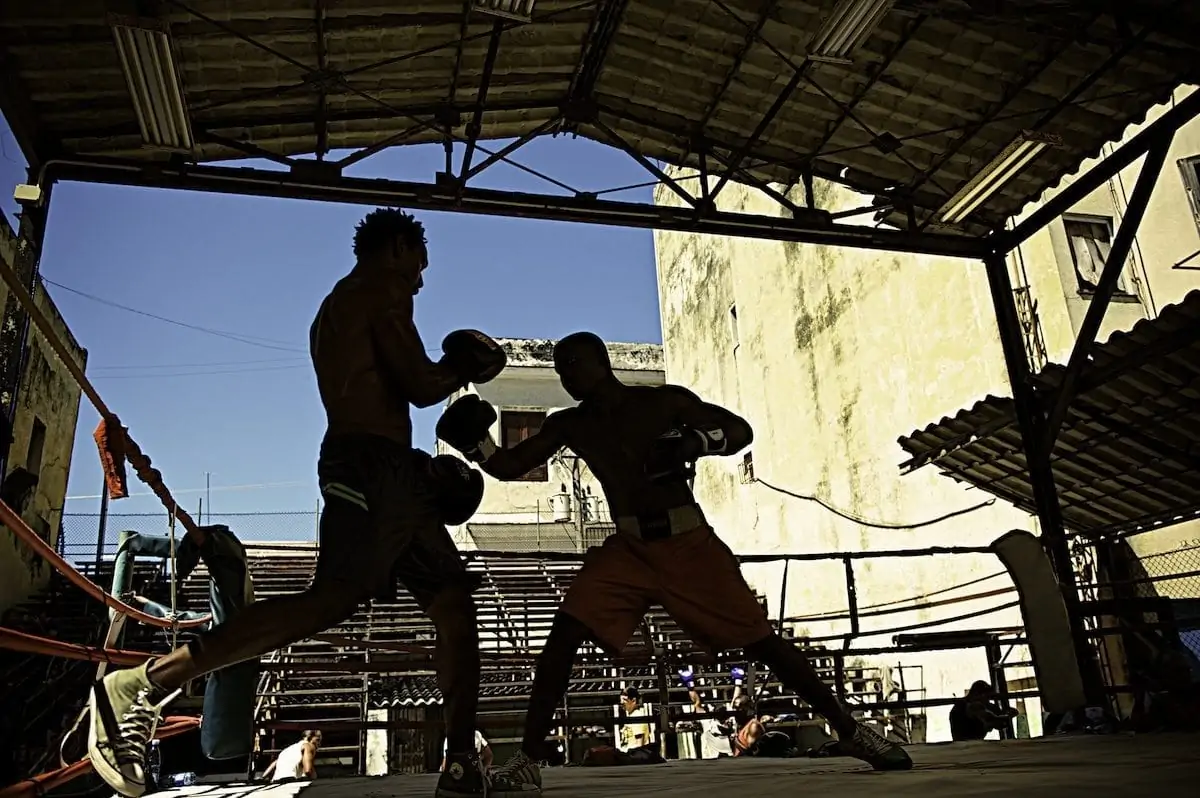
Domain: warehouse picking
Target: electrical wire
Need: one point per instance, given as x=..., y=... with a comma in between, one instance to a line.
x=873, y=524
x=169, y=375
x=250, y=340
x=209, y=364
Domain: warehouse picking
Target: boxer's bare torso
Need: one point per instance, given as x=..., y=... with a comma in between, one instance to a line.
x=614, y=438
x=369, y=359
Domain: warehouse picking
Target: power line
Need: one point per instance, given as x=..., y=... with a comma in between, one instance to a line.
x=874, y=524
x=250, y=340
x=210, y=364
x=209, y=373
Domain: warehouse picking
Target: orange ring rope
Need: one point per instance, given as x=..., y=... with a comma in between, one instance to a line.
x=51, y=780
x=30, y=538
x=12, y=640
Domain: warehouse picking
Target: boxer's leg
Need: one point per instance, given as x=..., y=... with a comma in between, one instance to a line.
x=704, y=590
x=605, y=603
x=434, y=572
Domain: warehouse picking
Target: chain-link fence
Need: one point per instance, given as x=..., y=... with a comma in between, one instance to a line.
x=84, y=535
x=1176, y=573
x=83, y=532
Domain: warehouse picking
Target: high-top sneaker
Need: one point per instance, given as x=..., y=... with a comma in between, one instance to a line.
x=875, y=749
x=462, y=778
x=124, y=709
x=519, y=776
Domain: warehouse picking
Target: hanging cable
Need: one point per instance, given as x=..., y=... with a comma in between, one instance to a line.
x=873, y=524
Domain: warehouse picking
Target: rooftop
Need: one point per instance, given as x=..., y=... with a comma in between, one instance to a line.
x=539, y=353
x=1128, y=455
x=935, y=91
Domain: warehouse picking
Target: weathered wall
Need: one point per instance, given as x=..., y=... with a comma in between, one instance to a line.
x=837, y=353
x=1169, y=234
x=834, y=353
x=48, y=394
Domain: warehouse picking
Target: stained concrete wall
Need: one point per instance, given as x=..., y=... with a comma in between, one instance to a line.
x=530, y=383
x=833, y=353
x=48, y=395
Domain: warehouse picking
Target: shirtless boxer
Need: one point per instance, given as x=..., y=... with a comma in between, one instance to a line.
x=386, y=505
x=640, y=442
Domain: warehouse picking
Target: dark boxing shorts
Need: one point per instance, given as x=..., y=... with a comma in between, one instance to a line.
x=380, y=523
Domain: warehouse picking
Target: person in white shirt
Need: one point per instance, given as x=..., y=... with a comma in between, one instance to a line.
x=481, y=747
x=297, y=761
x=634, y=735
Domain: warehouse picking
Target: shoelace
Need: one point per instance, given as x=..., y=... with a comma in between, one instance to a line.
x=871, y=742
x=135, y=729
x=516, y=763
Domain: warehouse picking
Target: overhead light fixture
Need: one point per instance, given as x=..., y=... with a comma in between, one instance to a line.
x=144, y=47
x=846, y=27
x=521, y=10
x=1001, y=169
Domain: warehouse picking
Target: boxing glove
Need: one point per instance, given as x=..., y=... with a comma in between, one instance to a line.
x=672, y=454
x=457, y=488
x=738, y=674
x=688, y=678
x=465, y=426
x=473, y=356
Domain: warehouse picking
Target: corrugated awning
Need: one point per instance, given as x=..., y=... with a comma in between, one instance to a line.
x=937, y=90
x=1128, y=455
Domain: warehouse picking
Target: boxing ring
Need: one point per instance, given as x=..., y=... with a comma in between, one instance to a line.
x=1064, y=767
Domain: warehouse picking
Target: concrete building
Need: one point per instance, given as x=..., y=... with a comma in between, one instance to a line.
x=558, y=507
x=43, y=439
x=834, y=353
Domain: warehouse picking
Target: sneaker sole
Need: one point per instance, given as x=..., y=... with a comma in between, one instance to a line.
x=111, y=776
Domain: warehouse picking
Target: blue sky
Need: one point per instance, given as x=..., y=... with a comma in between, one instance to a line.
x=247, y=410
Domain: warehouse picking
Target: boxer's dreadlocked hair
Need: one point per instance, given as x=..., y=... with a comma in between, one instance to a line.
x=382, y=226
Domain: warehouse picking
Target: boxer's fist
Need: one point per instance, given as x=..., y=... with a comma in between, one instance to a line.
x=688, y=678
x=473, y=356
x=738, y=674
x=465, y=426
x=672, y=454
x=457, y=488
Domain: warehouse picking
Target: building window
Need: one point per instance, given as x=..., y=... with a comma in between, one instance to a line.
x=1189, y=169
x=37, y=442
x=516, y=426
x=1090, y=239
x=733, y=327
x=746, y=468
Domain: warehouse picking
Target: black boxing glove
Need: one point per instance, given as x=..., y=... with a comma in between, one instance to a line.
x=672, y=454
x=457, y=488
x=465, y=426
x=473, y=356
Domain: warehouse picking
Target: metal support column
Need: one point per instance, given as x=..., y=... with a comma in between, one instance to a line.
x=1032, y=423
x=14, y=327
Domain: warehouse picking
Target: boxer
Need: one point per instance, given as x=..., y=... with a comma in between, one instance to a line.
x=386, y=505
x=641, y=442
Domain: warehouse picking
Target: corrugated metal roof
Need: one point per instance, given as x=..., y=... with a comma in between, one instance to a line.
x=1128, y=455
x=946, y=83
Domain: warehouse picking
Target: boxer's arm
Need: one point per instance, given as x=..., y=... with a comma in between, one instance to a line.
x=692, y=411
x=508, y=464
x=404, y=363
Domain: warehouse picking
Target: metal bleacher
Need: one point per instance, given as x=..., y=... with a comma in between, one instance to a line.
x=516, y=603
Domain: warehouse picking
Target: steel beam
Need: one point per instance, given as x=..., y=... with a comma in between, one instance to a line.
x=739, y=155
x=1031, y=423
x=1183, y=112
x=475, y=127
x=814, y=227
x=644, y=162
x=321, y=122
x=1118, y=255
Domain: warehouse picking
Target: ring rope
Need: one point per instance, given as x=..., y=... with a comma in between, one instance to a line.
x=45, y=782
x=13, y=640
x=22, y=530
